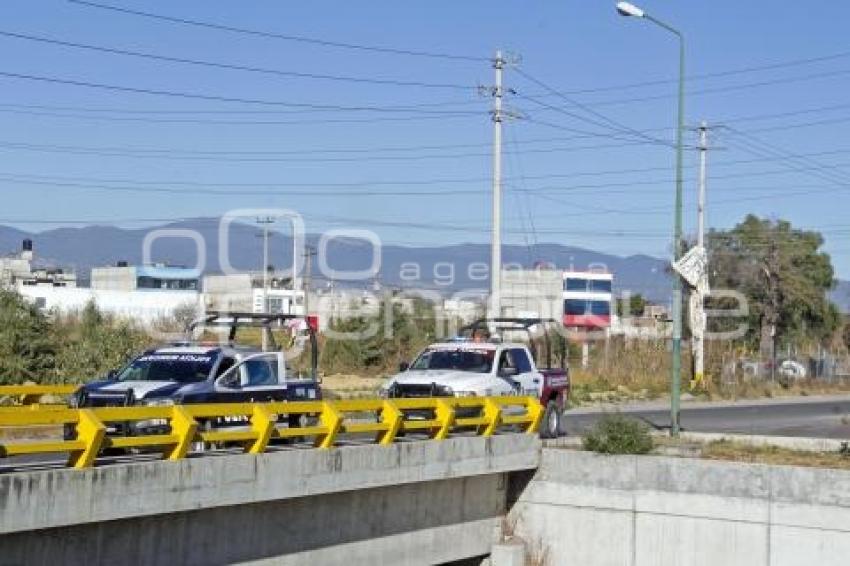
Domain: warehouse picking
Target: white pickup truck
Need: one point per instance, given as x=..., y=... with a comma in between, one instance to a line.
x=474, y=368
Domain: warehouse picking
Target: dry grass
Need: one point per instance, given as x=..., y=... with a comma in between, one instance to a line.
x=640, y=369
x=349, y=386
x=738, y=452
x=35, y=432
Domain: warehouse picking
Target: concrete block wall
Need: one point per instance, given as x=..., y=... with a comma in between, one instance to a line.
x=655, y=511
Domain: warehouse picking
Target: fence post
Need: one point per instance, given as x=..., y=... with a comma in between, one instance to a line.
x=446, y=414
x=331, y=419
x=92, y=431
x=393, y=418
x=262, y=423
x=185, y=427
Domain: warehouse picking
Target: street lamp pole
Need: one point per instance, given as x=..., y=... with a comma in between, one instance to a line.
x=627, y=9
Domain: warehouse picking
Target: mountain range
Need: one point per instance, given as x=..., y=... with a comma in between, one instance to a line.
x=82, y=248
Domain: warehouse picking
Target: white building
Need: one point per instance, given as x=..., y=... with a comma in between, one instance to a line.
x=243, y=292
x=125, y=277
x=16, y=269
x=532, y=293
x=143, y=294
x=140, y=306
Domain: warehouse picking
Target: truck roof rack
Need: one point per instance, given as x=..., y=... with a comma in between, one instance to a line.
x=507, y=323
x=516, y=323
x=241, y=319
x=264, y=321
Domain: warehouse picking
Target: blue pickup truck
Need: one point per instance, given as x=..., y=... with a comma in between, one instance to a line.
x=207, y=372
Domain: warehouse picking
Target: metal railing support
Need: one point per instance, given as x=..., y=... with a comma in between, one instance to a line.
x=185, y=427
x=331, y=419
x=92, y=431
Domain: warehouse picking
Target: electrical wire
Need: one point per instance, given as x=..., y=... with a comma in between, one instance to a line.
x=280, y=36
x=246, y=157
x=219, y=98
x=712, y=75
x=720, y=90
x=307, y=121
x=611, y=123
x=230, y=66
x=523, y=178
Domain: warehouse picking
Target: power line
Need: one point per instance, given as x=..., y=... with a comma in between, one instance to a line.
x=611, y=123
x=440, y=181
x=205, y=190
x=25, y=110
x=370, y=120
x=770, y=116
x=229, y=66
x=717, y=74
x=280, y=36
x=455, y=224
x=411, y=106
x=826, y=122
x=240, y=111
x=218, y=98
x=789, y=160
x=268, y=157
x=244, y=192
x=717, y=90
x=556, y=126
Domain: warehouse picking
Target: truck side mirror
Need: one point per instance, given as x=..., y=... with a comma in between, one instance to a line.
x=403, y=366
x=231, y=380
x=111, y=374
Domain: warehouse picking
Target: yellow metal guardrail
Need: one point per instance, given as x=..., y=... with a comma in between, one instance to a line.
x=263, y=423
x=33, y=394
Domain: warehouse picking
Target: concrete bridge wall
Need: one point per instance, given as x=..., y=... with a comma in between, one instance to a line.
x=597, y=510
x=411, y=503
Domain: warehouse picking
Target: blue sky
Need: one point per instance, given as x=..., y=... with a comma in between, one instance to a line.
x=72, y=154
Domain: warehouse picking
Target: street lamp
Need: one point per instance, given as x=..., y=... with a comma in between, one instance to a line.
x=630, y=10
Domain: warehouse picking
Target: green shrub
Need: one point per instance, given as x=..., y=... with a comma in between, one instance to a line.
x=27, y=351
x=616, y=434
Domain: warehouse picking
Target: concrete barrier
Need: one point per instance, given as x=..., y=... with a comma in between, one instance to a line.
x=646, y=510
x=409, y=503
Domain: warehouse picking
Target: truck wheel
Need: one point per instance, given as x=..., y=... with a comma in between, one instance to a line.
x=550, y=427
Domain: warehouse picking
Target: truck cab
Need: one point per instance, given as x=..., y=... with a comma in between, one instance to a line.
x=470, y=366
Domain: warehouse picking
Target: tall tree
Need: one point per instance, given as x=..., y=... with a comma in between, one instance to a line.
x=784, y=275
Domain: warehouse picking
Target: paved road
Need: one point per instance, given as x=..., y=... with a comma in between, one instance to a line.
x=822, y=417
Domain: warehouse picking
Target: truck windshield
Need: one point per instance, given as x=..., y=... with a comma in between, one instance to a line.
x=182, y=368
x=479, y=361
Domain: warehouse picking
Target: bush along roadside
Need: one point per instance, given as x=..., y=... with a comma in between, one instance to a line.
x=616, y=434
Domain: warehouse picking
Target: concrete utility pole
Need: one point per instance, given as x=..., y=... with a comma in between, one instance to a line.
x=496, y=242
x=265, y=222
x=703, y=151
x=294, y=280
x=309, y=252
x=699, y=335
